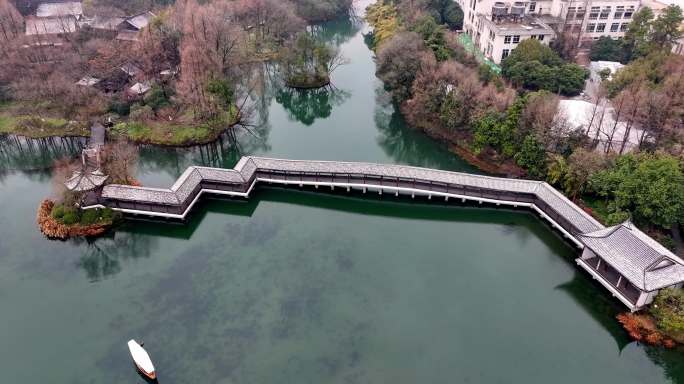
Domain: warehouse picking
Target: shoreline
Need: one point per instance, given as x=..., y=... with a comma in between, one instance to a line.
x=314, y=85
x=208, y=139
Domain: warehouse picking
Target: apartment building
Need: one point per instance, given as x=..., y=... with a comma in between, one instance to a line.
x=497, y=27
x=589, y=20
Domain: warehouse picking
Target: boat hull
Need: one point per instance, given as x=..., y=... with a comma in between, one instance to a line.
x=150, y=375
x=142, y=360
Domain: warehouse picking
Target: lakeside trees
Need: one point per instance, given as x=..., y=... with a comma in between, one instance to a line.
x=446, y=93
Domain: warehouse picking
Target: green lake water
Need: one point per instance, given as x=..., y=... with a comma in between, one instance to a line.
x=298, y=287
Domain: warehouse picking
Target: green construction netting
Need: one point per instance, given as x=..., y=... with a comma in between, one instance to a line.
x=467, y=43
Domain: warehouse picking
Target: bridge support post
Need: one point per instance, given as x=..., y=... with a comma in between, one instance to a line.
x=301, y=185
x=463, y=200
x=332, y=187
x=446, y=198
x=413, y=195
x=480, y=201
x=380, y=191
x=430, y=197
x=316, y=186
x=348, y=189
x=364, y=189
x=396, y=193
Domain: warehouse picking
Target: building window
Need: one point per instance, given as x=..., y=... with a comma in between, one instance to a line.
x=533, y=6
x=623, y=27
x=614, y=27
x=604, y=14
x=580, y=15
x=591, y=27
x=628, y=13
x=507, y=39
x=516, y=39
x=504, y=53
x=541, y=37
x=593, y=15
x=601, y=27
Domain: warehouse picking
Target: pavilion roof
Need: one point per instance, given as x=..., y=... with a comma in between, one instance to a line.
x=85, y=180
x=640, y=259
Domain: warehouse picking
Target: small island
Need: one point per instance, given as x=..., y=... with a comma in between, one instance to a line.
x=63, y=217
x=307, y=63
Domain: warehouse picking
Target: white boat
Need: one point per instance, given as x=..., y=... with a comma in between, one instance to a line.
x=141, y=359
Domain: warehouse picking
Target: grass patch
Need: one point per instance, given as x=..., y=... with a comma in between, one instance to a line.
x=38, y=127
x=73, y=216
x=7, y=123
x=174, y=133
x=167, y=133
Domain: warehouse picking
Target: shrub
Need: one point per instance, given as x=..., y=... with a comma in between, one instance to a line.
x=57, y=212
x=605, y=48
x=107, y=214
x=668, y=310
x=70, y=216
x=158, y=98
x=90, y=216
x=434, y=37
x=141, y=112
x=532, y=157
x=120, y=107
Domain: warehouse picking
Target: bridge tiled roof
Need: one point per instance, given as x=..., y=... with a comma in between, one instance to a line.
x=626, y=248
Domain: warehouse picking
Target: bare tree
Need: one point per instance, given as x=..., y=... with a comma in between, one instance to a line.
x=120, y=162
x=11, y=22
x=210, y=49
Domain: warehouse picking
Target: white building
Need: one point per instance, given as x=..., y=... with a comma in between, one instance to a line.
x=55, y=18
x=496, y=27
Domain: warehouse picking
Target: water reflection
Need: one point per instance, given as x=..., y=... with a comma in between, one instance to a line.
x=307, y=105
x=406, y=145
x=18, y=153
x=103, y=257
x=670, y=360
x=337, y=32
x=600, y=307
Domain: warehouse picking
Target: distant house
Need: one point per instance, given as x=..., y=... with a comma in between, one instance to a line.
x=130, y=26
x=50, y=26
x=88, y=81
x=114, y=81
x=127, y=35
x=105, y=23
x=65, y=9
x=131, y=69
x=138, y=22
x=139, y=89
x=55, y=18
